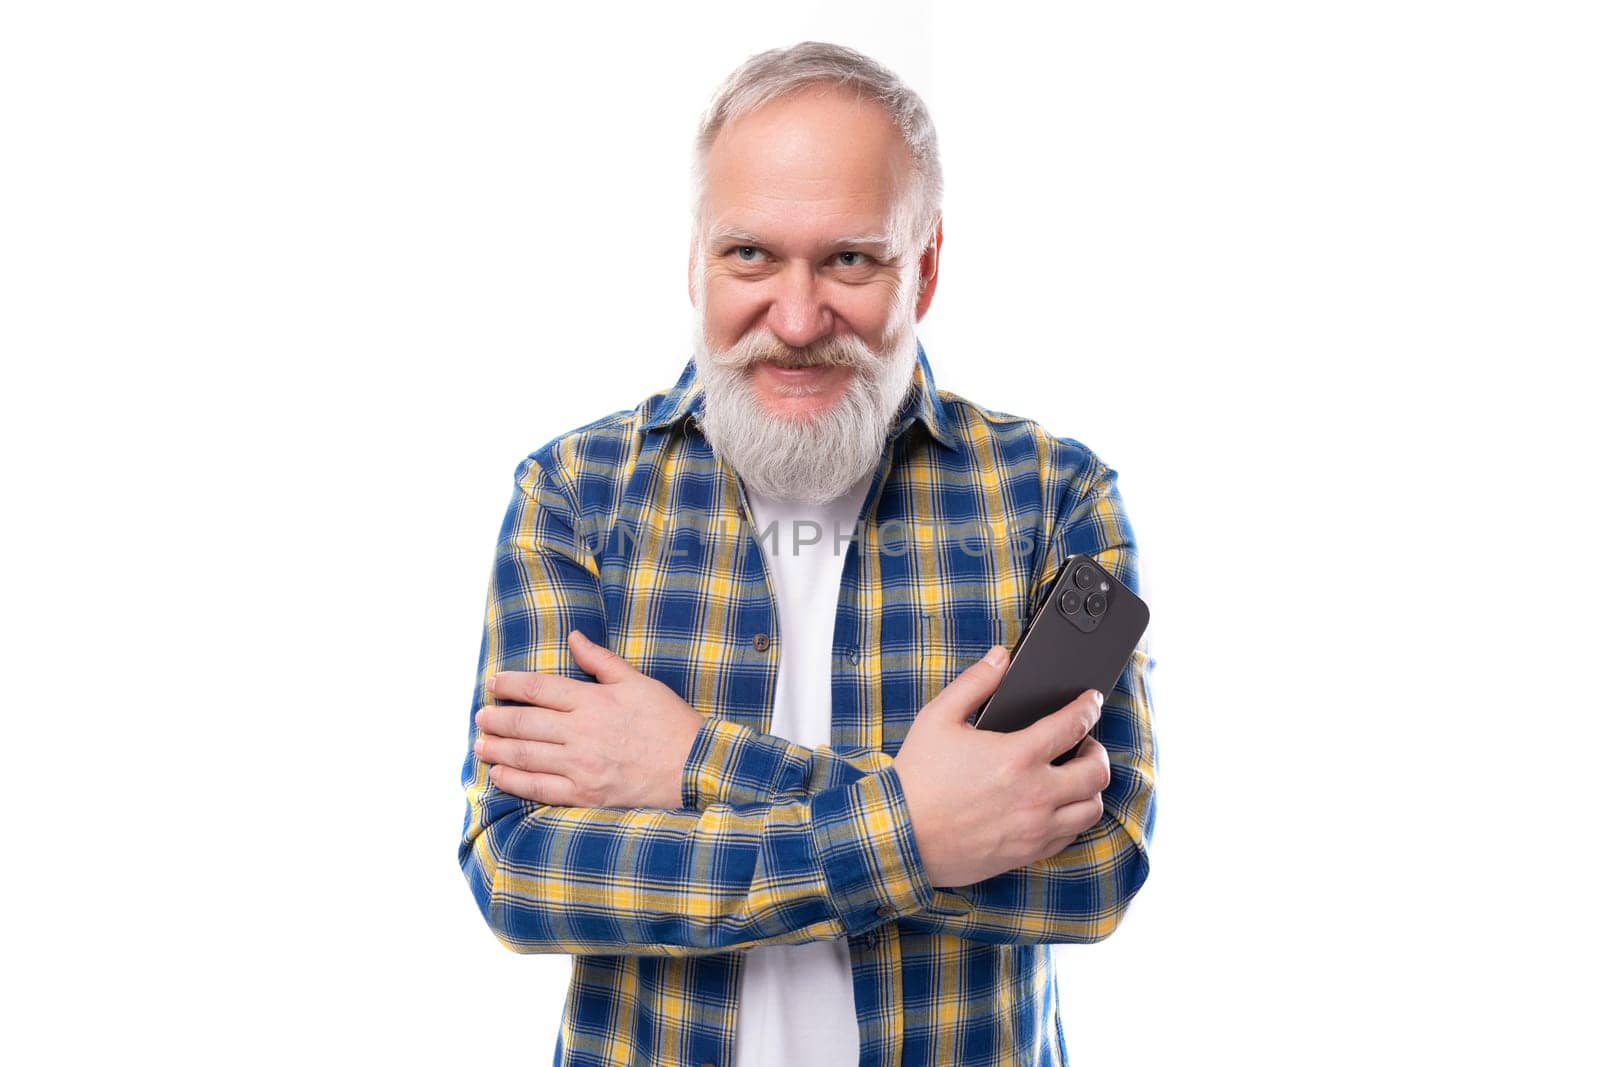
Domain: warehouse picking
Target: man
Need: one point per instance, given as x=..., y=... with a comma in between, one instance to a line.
x=766, y=830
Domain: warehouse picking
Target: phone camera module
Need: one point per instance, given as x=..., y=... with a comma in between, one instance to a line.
x=1083, y=594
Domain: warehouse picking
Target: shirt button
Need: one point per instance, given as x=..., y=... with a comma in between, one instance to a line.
x=708, y=1063
x=871, y=939
x=885, y=913
x=760, y=642
x=854, y=654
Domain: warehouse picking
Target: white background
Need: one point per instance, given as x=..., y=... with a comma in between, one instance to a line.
x=287, y=290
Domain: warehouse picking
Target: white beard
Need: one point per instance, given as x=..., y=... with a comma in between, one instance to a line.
x=817, y=457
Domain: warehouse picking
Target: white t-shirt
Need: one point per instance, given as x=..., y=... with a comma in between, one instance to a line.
x=797, y=1003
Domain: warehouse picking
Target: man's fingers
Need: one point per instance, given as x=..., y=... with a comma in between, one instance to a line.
x=1058, y=731
x=966, y=693
x=522, y=755
x=530, y=687
x=1073, y=819
x=539, y=788
x=1088, y=772
x=604, y=664
x=1056, y=847
x=527, y=724
x=1069, y=823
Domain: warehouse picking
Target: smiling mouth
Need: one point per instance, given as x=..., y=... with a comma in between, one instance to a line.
x=801, y=370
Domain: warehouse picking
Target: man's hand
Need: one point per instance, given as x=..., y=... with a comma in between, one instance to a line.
x=620, y=742
x=984, y=802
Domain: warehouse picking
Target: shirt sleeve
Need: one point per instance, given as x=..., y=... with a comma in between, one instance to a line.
x=1078, y=895
x=726, y=875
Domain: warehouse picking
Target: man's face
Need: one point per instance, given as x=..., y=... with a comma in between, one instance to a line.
x=799, y=212
x=809, y=297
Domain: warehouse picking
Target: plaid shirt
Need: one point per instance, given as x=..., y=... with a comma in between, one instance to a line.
x=630, y=530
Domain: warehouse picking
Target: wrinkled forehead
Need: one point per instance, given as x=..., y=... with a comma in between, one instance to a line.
x=806, y=171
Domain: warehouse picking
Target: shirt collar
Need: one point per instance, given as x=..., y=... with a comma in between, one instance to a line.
x=687, y=399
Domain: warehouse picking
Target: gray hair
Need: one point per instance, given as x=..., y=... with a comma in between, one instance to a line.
x=782, y=72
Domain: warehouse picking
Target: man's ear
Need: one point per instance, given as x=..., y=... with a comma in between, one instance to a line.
x=928, y=269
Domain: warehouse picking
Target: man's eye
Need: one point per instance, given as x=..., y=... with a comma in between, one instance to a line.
x=747, y=253
x=852, y=259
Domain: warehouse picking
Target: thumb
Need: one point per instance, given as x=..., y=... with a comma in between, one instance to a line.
x=966, y=693
x=605, y=665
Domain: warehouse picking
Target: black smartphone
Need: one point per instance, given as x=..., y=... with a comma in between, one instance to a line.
x=1080, y=638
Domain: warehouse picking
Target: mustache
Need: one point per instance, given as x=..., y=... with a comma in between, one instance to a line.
x=761, y=346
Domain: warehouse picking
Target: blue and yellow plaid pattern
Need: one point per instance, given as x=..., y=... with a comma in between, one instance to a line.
x=631, y=531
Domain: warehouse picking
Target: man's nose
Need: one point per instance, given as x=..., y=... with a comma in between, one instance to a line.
x=799, y=314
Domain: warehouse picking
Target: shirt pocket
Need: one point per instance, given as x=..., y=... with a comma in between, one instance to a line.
x=950, y=641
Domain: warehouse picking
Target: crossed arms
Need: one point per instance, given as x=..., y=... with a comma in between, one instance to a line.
x=774, y=842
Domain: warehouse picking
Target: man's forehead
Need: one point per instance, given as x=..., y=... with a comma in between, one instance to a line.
x=815, y=168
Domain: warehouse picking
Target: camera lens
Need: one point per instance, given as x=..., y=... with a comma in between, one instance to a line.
x=1071, y=601
x=1095, y=604
x=1083, y=578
